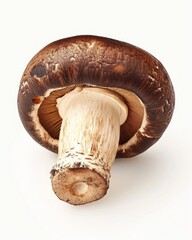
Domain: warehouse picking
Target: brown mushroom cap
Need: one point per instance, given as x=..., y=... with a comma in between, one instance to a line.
x=90, y=61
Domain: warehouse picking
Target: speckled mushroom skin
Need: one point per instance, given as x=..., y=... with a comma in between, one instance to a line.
x=99, y=61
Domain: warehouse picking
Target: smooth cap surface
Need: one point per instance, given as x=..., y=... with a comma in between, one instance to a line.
x=91, y=61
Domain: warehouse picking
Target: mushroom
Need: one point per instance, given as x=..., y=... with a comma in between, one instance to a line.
x=92, y=99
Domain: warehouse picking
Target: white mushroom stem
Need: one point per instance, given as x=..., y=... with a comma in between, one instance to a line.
x=88, y=143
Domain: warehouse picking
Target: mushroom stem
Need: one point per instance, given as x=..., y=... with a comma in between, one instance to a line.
x=88, y=143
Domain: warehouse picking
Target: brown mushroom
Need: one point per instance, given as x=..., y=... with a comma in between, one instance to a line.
x=91, y=99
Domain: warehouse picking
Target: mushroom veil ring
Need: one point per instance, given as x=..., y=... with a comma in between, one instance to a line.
x=91, y=99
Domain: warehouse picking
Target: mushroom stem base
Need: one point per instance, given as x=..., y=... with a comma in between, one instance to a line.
x=79, y=185
x=88, y=143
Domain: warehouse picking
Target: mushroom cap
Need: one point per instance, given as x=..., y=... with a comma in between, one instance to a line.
x=92, y=61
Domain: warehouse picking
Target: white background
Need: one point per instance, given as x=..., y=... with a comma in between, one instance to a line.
x=150, y=196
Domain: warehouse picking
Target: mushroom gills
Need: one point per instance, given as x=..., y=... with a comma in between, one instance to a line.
x=48, y=123
x=88, y=143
